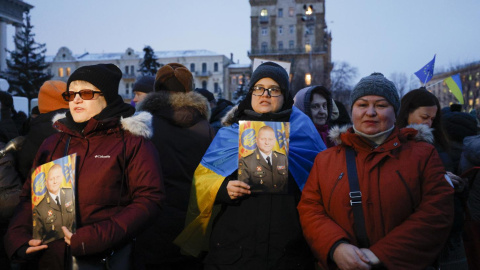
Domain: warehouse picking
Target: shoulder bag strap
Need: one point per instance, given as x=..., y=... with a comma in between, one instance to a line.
x=356, y=199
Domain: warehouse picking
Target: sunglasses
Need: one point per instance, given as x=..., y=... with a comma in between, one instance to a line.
x=86, y=94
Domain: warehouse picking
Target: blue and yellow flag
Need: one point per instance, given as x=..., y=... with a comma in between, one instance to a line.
x=221, y=160
x=425, y=74
x=454, y=83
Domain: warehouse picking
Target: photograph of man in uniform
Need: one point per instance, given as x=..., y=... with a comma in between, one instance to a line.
x=55, y=210
x=265, y=170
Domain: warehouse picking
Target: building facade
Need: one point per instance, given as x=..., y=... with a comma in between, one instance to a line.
x=209, y=69
x=294, y=31
x=470, y=78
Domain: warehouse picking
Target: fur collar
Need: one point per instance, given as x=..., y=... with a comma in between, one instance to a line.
x=163, y=99
x=139, y=124
x=424, y=133
x=227, y=120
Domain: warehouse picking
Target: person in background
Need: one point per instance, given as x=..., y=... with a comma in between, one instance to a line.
x=403, y=196
x=241, y=230
x=8, y=127
x=218, y=108
x=142, y=87
x=316, y=102
x=419, y=106
x=181, y=134
x=51, y=106
x=119, y=186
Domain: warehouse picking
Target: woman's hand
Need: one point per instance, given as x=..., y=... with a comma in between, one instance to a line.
x=237, y=189
x=68, y=235
x=458, y=182
x=374, y=260
x=348, y=256
x=35, y=245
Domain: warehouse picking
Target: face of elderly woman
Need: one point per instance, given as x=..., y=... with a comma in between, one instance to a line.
x=372, y=114
x=266, y=103
x=82, y=110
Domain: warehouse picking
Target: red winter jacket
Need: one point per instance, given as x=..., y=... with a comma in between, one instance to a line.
x=407, y=203
x=106, y=217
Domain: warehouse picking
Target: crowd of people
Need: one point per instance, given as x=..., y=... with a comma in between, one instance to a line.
x=173, y=181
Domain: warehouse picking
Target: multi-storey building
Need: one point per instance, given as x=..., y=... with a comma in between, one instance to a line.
x=470, y=78
x=209, y=69
x=294, y=31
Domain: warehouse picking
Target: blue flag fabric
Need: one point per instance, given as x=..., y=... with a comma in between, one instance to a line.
x=305, y=143
x=425, y=74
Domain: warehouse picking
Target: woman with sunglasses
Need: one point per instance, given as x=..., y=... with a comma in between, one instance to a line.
x=118, y=181
x=252, y=231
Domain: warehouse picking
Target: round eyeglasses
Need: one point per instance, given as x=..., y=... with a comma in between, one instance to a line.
x=272, y=91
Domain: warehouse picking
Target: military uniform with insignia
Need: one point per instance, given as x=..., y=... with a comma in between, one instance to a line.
x=255, y=171
x=49, y=217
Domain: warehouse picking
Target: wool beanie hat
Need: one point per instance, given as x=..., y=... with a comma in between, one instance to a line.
x=377, y=85
x=275, y=72
x=174, y=77
x=144, y=84
x=106, y=77
x=50, y=96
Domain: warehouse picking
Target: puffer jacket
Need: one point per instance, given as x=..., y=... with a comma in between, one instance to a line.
x=110, y=211
x=407, y=202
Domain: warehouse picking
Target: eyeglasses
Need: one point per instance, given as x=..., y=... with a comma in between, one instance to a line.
x=272, y=91
x=86, y=94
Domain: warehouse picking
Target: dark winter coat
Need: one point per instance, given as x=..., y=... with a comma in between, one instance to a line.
x=470, y=159
x=181, y=134
x=407, y=203
x=218, y=113
x=10, y=187
x=110, y=211
x=40, y=128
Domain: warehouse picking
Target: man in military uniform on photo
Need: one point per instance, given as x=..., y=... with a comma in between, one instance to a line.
x=265, y=170
x=55, y=210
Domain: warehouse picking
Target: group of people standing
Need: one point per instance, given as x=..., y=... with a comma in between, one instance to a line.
x=157, y=186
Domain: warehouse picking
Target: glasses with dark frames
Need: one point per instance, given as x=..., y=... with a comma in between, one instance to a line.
x=85, y=94
x=272, y=91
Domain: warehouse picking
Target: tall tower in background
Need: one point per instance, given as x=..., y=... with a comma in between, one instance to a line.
x=294, y=31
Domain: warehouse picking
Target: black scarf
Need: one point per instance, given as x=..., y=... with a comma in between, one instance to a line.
x=246, y=112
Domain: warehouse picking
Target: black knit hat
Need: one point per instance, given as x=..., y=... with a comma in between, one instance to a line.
x=144, y=84
x=275, y=72
x=377, y=85
x=106, y=77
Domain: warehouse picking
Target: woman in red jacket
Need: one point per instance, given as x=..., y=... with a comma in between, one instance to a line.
x=118, y=181
x=405, y=199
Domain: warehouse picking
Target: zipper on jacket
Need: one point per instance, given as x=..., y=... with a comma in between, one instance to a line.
x=334, y=186
x=408, y=190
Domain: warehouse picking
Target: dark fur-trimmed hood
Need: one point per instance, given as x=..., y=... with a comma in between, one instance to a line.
x=424, y=133
x=180, y=108
x=139, y=124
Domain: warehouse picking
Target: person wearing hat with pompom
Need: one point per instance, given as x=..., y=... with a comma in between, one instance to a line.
x=181, y=134
x=118, y=181
x=398, y=211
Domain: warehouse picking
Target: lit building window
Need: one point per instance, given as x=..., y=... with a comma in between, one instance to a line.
x=280, y=30
x=240, y=79
x=308, y=79
x=69, y=71
x=291, y=12
x=308, y=10
x=470, y=102
x=264, y=12
x=60, y=72
x=308, y=48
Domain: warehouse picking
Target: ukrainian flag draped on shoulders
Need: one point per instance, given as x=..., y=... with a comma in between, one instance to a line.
x=221, y=160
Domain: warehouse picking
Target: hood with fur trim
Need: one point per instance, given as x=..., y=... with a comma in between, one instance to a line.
x=181, y=109
x=423, y=133
x=139, y=124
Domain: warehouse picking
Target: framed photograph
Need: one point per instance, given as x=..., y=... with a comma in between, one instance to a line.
x=263, y=156
x=53, y=199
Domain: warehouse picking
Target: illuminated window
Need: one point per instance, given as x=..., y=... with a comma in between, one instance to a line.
x=308, y=10
x=60, y=72
x=477, y=84
x=477, y=101
x=308, y=48
x=308, y=79
x=240, y=79
x=470, y=102
x=264, y=13
x=291, y=12
x=69, y=71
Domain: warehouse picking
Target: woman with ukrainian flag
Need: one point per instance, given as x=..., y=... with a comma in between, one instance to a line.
x=239, y=229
